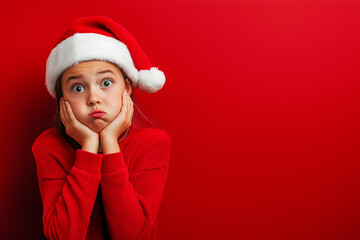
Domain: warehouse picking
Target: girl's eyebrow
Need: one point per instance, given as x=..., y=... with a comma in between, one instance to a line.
x=101, y=72
x=105, y=71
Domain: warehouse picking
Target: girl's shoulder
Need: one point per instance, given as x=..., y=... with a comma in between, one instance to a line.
x=48, y=135
x=49, y=140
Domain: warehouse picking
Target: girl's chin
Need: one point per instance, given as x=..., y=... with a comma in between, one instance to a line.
x=98, y=127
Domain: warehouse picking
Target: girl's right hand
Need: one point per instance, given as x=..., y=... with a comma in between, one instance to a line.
x=87, y=138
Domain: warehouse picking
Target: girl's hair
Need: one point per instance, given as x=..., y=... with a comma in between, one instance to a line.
x=139, y=119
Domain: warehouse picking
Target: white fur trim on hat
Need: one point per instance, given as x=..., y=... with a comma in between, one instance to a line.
x=91, y=46
x=151, y=80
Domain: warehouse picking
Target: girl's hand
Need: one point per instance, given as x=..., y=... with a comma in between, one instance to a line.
x=122, y=121
x=87, y=138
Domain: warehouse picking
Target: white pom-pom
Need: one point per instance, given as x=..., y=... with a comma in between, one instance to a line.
x=152, y=80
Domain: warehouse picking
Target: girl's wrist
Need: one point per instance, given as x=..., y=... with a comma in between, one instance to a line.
x=107, y=137
x=109, y=144
x=91, y=145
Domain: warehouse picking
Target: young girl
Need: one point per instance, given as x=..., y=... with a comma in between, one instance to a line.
x=101, y=173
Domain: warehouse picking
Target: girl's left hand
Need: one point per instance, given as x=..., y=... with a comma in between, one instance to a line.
x=122, y=121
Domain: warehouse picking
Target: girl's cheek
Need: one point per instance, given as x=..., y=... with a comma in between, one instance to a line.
x=76, y=110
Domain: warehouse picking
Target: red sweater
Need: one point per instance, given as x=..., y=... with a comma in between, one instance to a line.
x=98, y=196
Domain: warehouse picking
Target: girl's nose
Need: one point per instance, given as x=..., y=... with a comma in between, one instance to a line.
x=93, y=97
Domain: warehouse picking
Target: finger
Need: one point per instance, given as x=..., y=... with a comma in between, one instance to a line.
x=123, y=111
x=66, y=111
x=71, y=115
x=130, y=103
x=130, y=110
x=124, y=104
x=63, y=111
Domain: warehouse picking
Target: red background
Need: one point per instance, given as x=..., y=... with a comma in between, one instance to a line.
x=261, y=100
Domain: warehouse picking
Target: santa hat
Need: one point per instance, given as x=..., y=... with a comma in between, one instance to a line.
x=101, y=38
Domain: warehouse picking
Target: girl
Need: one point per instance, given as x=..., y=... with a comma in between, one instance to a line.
x=101, y=173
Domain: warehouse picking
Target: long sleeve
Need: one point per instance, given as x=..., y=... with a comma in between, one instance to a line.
x=68, y=199
x=131, y=201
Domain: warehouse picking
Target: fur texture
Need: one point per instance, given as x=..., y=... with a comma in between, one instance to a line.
x=87, y=46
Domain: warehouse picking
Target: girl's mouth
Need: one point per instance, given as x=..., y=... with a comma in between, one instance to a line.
x=97, y=113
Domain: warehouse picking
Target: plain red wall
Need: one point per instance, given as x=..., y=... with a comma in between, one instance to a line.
x=261, y=100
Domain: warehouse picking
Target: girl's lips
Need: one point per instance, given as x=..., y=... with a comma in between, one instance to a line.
x=96, y=113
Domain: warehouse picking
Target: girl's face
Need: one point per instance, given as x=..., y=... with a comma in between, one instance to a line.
x=94, y=85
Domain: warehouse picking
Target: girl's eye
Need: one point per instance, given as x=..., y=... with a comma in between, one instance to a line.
x=77, y=88
x=106, y=83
